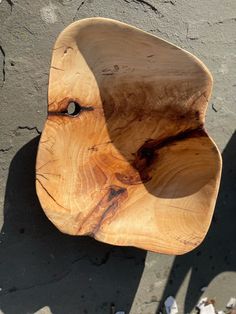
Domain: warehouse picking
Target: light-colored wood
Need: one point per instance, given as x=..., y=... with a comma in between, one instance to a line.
x=135, y=166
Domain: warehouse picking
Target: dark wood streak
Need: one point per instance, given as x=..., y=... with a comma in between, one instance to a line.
x=95, y=146
x=104, y=210
x=115, y=191
x=147, y=154
x=129, y=179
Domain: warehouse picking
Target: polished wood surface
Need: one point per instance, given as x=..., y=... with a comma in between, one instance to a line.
x=124, y=156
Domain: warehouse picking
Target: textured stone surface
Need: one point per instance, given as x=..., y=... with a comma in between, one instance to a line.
x=45, y=271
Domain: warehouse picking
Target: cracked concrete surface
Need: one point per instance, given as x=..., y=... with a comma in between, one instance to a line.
x=2, y=60
x=44, y=271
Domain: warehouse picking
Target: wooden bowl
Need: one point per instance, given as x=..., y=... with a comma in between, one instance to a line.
x=124, y=156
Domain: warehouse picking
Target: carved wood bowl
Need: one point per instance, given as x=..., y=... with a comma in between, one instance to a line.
x=131, y=163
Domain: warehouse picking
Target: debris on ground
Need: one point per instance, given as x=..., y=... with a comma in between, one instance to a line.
x=231, y=304
x=206, y=306
x=201, y=304
x=113, y=310
x=208, y=309
x=214, y=107
x=171, y=305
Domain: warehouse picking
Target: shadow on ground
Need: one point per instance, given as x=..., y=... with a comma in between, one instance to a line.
x=41, y=267
x=217, y=253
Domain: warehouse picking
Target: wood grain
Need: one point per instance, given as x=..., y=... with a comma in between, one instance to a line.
x=133, y=165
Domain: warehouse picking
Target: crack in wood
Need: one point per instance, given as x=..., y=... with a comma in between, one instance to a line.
x=50, y=195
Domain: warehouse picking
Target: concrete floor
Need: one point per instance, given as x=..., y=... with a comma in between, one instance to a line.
x=44, y=271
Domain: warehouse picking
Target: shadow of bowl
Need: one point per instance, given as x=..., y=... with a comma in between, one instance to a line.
x=42, y=267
